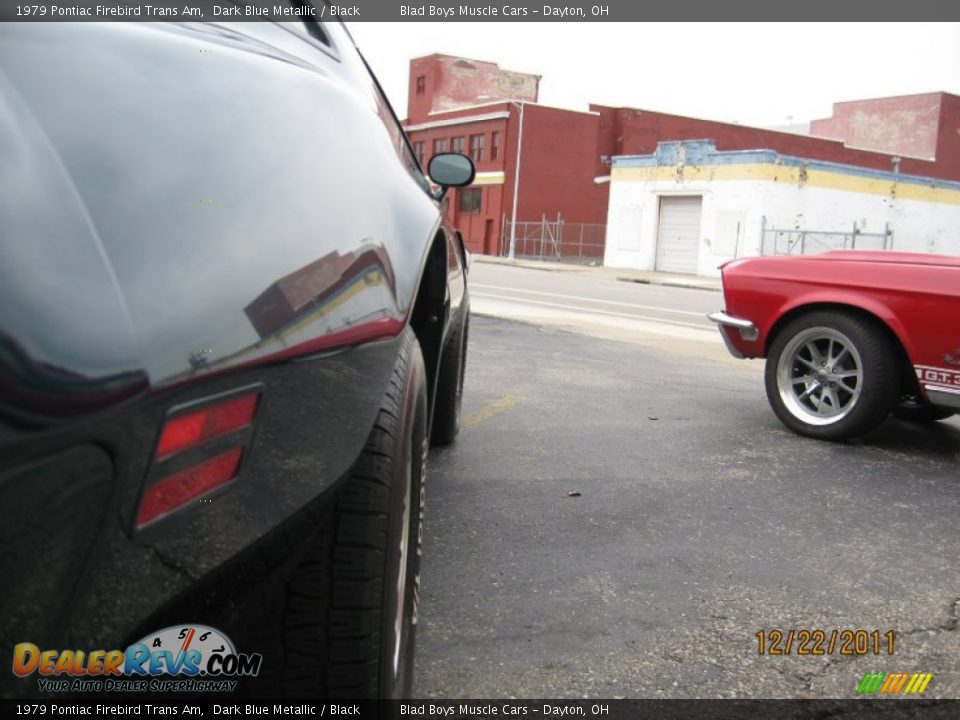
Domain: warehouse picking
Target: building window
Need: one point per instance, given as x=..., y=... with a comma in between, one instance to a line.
x=470, y=200
x=476, y=147
x=494, y=145
x=456, y=144
x=421, y=84
x=439, y=146
x=418, y=148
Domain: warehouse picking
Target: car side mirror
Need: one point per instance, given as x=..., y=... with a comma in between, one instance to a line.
x=450, y=170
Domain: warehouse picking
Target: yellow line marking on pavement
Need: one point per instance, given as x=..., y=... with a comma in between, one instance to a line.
x=494, y=408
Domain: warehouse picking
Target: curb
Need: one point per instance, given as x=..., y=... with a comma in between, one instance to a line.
x=670, y=283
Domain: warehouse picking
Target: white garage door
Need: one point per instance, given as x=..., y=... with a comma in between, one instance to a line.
x=678, y=241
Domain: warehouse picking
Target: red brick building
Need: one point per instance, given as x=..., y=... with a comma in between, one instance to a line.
x=477, y=108
x=933, y=135
x=925, y=126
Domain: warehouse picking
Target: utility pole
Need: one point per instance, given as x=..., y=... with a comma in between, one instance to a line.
x=516, y=185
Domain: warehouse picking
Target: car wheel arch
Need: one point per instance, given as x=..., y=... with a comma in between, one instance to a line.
x=879, y=316
x=428, y=316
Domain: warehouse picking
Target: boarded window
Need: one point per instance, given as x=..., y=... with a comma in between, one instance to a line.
x=476, y=147
x=470, y=200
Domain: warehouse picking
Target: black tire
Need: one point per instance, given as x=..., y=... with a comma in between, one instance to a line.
x=915, y=410
x=832, y=375
x=351, y=605
x=453, y=365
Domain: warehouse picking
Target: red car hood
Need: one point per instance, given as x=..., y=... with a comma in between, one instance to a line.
x=868, y=256
x=887, y=256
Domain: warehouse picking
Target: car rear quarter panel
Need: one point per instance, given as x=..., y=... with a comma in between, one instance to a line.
x=214, y=164
x=232, y=206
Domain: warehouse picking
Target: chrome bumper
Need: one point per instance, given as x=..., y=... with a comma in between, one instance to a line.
x=748, y=331
x=943, y=397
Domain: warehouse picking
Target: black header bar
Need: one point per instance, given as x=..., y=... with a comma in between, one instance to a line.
x=477, y=10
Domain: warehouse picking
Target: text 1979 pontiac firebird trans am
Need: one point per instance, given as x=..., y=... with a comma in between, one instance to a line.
x=232, y=315
x=848, y=336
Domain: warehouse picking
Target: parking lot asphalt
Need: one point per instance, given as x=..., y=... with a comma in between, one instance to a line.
x=621, y=520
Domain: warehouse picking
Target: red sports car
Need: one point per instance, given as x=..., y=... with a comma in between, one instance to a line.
x=849, y=336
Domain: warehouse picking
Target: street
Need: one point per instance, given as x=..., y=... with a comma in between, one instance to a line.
x=622, y=514
x=656, y=315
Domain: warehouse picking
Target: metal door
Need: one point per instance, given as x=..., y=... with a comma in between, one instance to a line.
x=678, y=239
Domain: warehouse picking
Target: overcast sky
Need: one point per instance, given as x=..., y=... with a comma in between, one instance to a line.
x=751, y=73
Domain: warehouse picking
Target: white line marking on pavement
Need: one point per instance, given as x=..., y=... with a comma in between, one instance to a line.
x=599, y=324
x=586, y=299
x=592, y=311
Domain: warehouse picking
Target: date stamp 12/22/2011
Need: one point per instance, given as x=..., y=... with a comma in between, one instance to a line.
x=825, y=642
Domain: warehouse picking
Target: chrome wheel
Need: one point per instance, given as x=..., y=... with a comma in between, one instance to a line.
x=820, y=376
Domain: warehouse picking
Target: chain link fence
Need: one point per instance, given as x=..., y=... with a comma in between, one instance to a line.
x=809, y=242
x=555, y=240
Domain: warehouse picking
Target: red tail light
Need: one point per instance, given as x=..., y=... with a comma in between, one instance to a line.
x=194, y=428
x=178, y=489
x=199, y=450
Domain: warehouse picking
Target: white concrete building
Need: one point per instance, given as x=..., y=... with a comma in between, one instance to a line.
x=688, y=208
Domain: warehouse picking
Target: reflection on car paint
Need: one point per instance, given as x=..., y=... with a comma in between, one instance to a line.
x=31, y=388
x=341, y=299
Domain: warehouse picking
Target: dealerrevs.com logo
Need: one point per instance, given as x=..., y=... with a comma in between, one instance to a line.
x=181, y=658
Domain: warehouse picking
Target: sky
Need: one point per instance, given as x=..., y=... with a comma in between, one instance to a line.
x=760, y=74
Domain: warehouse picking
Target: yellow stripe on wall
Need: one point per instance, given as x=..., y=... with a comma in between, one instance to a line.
x=765, y=172
x=489, y=178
